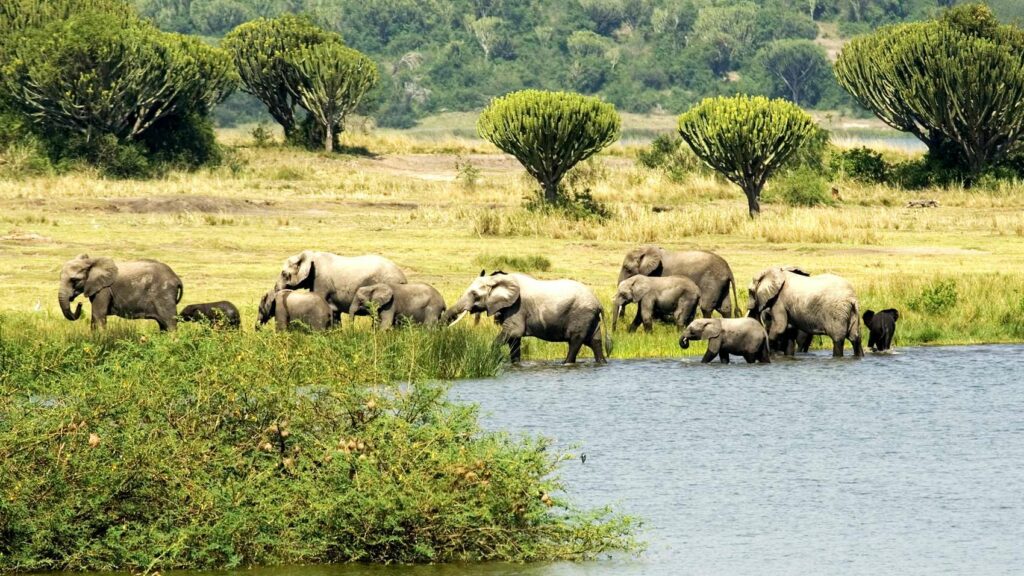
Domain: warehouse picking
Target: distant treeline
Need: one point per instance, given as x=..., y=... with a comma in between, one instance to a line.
x=641, y=55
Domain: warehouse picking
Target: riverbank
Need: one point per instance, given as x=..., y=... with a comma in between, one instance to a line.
x=445, y=209
x=203, y=449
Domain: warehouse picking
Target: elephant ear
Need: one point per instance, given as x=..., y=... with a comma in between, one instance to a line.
x=306, y=269
x=267, y=304
x=383, y=295
x=868, y=315
x=650, y=260
x=796, y=270
x=503, y=294
x=713, y=329
x=768, y=286
x=102, y=274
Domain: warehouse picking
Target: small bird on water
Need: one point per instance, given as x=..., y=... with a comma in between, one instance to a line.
x=583, y=458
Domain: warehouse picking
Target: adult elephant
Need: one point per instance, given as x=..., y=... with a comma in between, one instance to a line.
x=336, y=278
x=133, y=290
x=552, y=310
x=823, y=304
x=709, y=271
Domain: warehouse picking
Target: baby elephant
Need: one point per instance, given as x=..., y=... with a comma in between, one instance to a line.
x=741, y=336
x=882, y=326
x=672, y=298
x=221, y=314
x=288, y=306
x=415, y=303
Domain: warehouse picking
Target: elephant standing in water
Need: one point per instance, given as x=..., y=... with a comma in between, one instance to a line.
x=672, y=298
x=709, y=271
x=824, y=304
x=336, y=278
x=741, y=336
x=138, y=289
x=552, y=310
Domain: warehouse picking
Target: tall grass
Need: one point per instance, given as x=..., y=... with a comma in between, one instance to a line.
x=203, y=449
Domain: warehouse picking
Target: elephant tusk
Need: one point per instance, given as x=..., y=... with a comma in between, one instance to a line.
x=459, y=319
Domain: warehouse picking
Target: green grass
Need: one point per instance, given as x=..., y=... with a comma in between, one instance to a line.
x=204, y=449
x=510, y=263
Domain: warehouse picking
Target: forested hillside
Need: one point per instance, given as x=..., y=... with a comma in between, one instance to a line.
x=642, y=55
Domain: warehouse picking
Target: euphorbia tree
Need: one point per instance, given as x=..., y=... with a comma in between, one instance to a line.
x=956, y=83
x=549, y=132
x=330, y=80
x=746, y=138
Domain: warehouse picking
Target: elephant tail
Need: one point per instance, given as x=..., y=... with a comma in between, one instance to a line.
x=608, y=343
x=853, y=326
x=735, y=300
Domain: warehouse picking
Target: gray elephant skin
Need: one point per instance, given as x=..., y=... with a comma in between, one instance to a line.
x=336, y=278
x=396, y=303
x=744, y=337
x=671, y=298
x=823, y=304
x=292, y=306
x=709, y=271
x=138, y=289
x=881, y=328
x=222, y=314
x=552, y=310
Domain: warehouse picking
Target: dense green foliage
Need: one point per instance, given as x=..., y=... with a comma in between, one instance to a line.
x=641, y=55
x=101, y=84
x=214, y=449
x=549, y=132
x=956, y=83
x=259, y=49
x=746, y=138
x=330, y=80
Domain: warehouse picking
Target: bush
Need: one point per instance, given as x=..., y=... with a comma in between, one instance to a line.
x=530, y=263
x=861, y=164
x=802, y=187
x=185, y=142
x=939, y=297
x=204, y=449
x=669, y=154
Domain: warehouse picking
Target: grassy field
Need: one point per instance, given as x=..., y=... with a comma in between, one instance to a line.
x=445, y=207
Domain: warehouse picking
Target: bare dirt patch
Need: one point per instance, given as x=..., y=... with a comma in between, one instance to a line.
x=23, y=237
x=913, y=251
x=185, y=204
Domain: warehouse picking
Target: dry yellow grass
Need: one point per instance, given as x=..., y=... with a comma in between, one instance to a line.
x=227, y=231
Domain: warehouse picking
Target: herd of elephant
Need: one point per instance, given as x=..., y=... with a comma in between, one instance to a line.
x=786, y=306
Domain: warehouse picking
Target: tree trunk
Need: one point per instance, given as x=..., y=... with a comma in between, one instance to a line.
x=329, y=138
x=551, y=192
x=753, y=201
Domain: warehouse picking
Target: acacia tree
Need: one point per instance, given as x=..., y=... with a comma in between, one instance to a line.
x=330, y=80
x=259, y=50
x=549, y=132
x=746, y=138
x=957, y=84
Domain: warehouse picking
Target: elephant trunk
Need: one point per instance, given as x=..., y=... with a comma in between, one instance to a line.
x=354, y=308
x=65, y=295
x=461, y=306
x=684, y=342
x=624, y=275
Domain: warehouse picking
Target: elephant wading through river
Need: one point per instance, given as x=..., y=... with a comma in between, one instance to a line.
x=824, y=304
x=552, y=310
x=134, y=290
x=709, y=271
x=336, y=278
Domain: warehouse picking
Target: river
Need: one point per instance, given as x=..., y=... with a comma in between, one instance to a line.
x=903, y=463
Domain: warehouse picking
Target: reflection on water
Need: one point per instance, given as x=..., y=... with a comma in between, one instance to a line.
x=906, y=463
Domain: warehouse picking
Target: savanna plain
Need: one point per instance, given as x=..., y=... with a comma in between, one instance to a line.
x=444, y=207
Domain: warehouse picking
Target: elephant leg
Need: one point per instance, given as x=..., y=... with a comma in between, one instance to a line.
x=708, y=357
x=647, y=309
x=837, y=347
x=750, y=358
x=790, y=347
x=100, y=308
x=386, y=319
x=515, y=349
x=596, y=347
x=858, y=348
x=724, y=356
x=637, y=320
x=574, y=349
